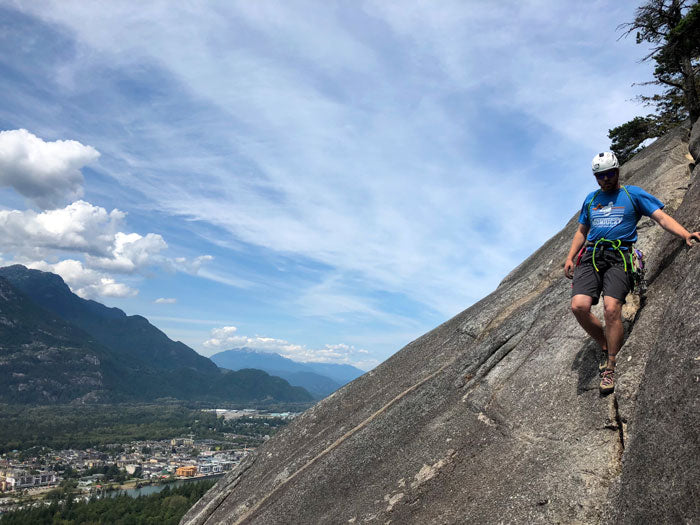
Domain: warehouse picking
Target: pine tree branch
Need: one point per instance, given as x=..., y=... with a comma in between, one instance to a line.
x=670, y=83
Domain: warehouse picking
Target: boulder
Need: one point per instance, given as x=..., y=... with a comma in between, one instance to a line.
x=495, y=416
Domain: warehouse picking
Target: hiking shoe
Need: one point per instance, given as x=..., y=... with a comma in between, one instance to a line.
x=603, y=363
x=607, y=384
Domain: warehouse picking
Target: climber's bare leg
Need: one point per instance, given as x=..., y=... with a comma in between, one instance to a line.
x=581, y=308
x=614, y=331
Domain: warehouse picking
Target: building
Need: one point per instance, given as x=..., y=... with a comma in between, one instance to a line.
x=21, y=479
x=131, y=468
x=214, y=467
x=187, y=471
x=176, y=442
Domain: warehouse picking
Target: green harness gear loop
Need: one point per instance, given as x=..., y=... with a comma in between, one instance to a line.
x=616, y=246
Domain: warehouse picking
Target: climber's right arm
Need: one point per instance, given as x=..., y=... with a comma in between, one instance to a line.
x=576, y=245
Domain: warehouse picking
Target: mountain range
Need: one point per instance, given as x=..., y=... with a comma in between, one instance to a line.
x=56, y=347
x=320, y=379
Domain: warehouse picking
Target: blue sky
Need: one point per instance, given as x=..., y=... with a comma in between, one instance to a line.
x=327, y=180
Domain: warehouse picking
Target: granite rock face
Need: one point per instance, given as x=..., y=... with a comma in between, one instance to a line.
x=694, y=143
x=660, y=481
x=495, y=416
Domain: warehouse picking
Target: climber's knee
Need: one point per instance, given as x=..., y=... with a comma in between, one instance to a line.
x=581, y=304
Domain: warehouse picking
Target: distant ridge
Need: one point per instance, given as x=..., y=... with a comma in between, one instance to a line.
x=56, y=347
x=320, y=379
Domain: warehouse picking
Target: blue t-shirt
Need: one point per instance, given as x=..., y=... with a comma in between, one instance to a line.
x=613, y=215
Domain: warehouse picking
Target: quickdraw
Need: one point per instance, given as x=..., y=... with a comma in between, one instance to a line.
x=640, y=282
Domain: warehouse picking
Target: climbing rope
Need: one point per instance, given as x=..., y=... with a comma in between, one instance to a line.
x=615, y=246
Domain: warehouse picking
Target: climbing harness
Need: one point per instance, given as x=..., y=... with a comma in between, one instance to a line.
x=635, y=256
x=635, y=266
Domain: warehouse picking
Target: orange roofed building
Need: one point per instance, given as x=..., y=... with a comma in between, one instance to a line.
x=188, y=471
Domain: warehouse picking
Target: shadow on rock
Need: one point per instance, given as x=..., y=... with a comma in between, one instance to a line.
x=586, y=364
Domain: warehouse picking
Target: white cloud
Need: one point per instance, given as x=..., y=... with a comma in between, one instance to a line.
x=79, y=227
x=221, y=337
x=130, y=251
x=330, y=353
x=92, y=232
x=165, y=300
x=379, y=177
x=191, y=266
x=87, y=283
x=226, y=338
x=48, y=173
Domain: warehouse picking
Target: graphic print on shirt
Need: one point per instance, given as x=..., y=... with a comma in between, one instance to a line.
x=607, y=216
x=614, y=215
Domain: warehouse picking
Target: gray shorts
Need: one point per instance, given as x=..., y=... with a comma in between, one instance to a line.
x=610, y=279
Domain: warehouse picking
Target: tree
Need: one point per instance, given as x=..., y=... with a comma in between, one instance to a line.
x=672, y=27
x=627, y=139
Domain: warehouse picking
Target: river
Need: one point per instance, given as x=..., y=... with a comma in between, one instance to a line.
x=153, y=489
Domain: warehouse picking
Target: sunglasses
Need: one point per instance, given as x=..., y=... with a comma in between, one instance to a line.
x=606, y=174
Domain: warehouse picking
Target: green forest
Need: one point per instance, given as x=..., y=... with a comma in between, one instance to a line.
x=94, y=426
x=163, y=508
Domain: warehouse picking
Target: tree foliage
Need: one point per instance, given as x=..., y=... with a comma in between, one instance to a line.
x=80, y=427
x=163, y=508
x=672, y=28
x=628, y=138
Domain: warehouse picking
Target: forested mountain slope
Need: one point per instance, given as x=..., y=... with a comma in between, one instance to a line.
x=56, y=348
x=132, y=336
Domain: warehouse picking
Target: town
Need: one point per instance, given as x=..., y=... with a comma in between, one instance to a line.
x=30, y=474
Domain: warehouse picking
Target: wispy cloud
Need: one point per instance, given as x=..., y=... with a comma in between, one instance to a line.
x=186, y=320
x=165, y=300
x=342, y=150
x=225, y=279
x=410, y=153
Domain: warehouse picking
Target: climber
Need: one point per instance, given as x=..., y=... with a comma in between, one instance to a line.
x=602, y=246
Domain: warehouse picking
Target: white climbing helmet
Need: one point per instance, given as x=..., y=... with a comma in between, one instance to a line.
x=604, y=161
